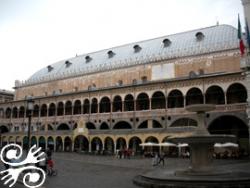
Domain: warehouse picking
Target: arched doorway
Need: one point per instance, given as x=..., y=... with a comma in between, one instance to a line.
x=42, y=143
x=81, y=143
x=67, y=144
x=50, y=143
x=94, y=106
x=236, y=93
x=68, y=108
x=104, y=105
x=194, y=96
x=77, y=107
x=104, y=126
x=90, y=125
x=96, y=145
x=86, y=106
x=25, y=143
x=129, y=103
x=52, y=109
x=60, y=109
x=142, y=102
x=59, y=144
x=33, y=141
x=117, y=104
x=121, y=143
x=215, y=95
x=150, y=149
x=158, y=100
x=109, y=145
x=175, y=99
x=232, y=125
x=134, y=144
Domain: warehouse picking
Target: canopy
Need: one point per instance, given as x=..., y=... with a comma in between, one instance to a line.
x=227, y=144
x=149, y=144
x=167, y=144
x=182, y=145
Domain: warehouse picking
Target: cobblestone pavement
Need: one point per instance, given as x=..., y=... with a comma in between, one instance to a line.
x=90, y=171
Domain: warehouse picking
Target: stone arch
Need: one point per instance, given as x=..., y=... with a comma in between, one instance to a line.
x=134, y=144
x=63, y=127
x=236, y=93
x=215, y=95
x=8, y=112
x=105, y=105
x=96, y=145
x=143, y=125
x=184, y=122
x=142, y=102
x=33, y=141
x=67, y=144
x=81, y=143
x=51, y=143
x=194, y=96
x=59, y=143
x=68, y=108
x=50, y=127
x=77, y=107
x=122, y=125
x=121, y=143
x=36, y=110
x=86, y=106
x=4, y=129
x=94, y=106
x=44, y=110
x=25, y=142
x=109, y=145
x=104, y=126
x=14, y=112
x=158, y=100
x=129, y=103
x=156, y=124
x=232, y=125
x=60, y=109
x=42, y=142
x=52, y=109
x=150, y=149
x=175, y=99
x=21, y=112
x=117, y=104
x=90, y=125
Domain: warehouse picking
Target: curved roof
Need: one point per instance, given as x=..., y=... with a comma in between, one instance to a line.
x=195, y=42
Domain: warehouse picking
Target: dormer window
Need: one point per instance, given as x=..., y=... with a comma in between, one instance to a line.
x=166, y=42
x=199, y=36
x=50, y=68
x=88, y=59
x=137, y=48
x=110, y=54
x=68, y=63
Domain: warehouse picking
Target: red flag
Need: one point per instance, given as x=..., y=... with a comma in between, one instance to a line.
x=242, y=46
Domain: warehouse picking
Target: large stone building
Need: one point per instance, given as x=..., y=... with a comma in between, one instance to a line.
x=6, y=96
x=135, y=93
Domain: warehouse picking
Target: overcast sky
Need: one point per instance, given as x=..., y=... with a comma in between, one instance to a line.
x=36, y=33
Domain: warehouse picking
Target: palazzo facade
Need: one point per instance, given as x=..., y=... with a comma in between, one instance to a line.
x=135, y=93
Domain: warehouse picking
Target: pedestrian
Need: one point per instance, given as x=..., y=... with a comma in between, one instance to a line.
x=161, y=159
x=155, y=159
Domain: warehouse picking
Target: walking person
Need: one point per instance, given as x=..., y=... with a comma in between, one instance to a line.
x=161, y=159
x=155, y=159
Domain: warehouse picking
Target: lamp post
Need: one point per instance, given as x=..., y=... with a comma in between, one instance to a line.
x=30, y=108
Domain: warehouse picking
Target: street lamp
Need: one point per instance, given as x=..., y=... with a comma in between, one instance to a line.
x=30, y=108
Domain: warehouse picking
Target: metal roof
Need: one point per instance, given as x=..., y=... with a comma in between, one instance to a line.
x=215, y=38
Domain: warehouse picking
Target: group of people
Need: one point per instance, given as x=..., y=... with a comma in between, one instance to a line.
x=124, y=154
